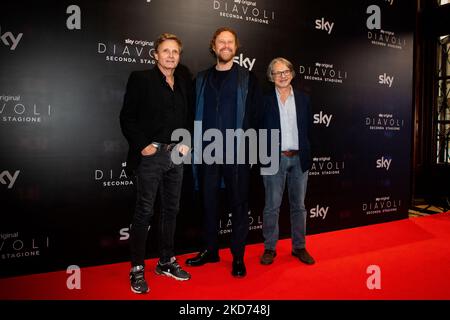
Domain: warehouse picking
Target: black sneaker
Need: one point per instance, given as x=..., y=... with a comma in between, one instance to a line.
x=137, y=280
x=172, y=269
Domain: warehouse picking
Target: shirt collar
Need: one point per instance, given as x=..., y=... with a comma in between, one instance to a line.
x=291, y=92
x=163, y=77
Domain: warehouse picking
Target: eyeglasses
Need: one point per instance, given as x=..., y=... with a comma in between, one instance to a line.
x=281, y=73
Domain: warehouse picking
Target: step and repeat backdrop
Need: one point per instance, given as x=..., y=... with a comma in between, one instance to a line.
x=65, y=196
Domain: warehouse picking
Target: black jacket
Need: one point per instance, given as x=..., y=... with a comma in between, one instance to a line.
x=141, y=114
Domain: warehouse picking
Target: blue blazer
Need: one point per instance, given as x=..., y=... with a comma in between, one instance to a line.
x=270, y=119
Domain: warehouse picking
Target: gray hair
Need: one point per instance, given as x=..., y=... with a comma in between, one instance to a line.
x=282, y=60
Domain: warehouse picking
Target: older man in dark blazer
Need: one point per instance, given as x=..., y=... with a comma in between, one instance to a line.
x=289, y=111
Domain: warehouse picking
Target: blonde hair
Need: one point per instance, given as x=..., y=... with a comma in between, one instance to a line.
x=168, y=36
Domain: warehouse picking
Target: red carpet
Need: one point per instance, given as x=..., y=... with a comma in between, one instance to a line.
x=413, y=256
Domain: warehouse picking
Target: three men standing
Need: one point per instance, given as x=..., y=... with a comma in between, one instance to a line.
x=227, y=97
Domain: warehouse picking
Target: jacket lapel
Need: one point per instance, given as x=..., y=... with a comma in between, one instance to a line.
x=298, y=111
x=275, y=110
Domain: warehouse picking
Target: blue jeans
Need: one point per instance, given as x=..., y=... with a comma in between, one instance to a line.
x=297, y=180
x=156, y=172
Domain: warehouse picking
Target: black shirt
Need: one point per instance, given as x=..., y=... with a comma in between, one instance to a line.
x=219, y=77
x=173, y=109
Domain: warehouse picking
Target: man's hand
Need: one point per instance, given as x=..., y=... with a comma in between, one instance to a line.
x=149, y=150
x=183, y=149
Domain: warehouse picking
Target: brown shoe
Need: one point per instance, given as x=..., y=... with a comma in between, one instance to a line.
x=267, y=257
x=303, y=256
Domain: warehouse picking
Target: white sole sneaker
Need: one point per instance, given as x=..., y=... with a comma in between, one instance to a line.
x=168, y=274
x=139, y=292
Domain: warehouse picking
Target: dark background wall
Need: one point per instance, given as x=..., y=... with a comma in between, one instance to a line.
x=65, y=197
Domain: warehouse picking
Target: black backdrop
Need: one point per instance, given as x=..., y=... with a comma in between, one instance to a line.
x=65, y=197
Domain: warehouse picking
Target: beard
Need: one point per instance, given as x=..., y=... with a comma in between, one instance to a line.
x=226, y=57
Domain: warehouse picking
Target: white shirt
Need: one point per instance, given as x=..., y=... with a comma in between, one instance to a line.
x=288, y=122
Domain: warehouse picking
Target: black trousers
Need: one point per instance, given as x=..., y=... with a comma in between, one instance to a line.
x=156, y=171
x=236, y=178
